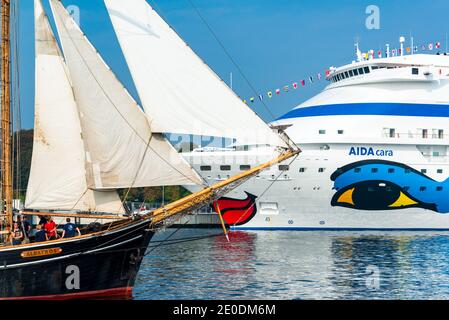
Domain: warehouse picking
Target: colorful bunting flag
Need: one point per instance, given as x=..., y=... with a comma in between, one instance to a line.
x=270, y=94
x=437, y=45
x=260, y=97
x=328, y=72
x=311, y=79
x=286, y=88
x=318, y=76
x=430, y=46
x=408, y=49
x=303, y=82
x=295, y=85
x=278, y=91
x=379, y=54
x=252, y=99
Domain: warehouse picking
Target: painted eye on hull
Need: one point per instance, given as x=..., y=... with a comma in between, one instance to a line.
x=376, y=195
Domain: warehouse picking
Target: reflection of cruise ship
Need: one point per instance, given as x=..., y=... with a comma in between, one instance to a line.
x=375, y=154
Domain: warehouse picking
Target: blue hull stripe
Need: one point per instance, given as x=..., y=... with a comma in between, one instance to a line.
x=382, y=109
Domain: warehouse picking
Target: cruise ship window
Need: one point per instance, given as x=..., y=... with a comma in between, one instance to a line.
x=440, y=134
x=374, y=170
x=406, y=188
x=321, y=170
x=440, y=171
x=205, y=168
x=245, y=167
x=391, y=170
x=422, y=188
x=357, y=170
x=407, y=171
x=374, y=67
x=322, y=131
x=284, y=167
x=356, y=72
x=366, y=69
x=392, y=133
x=225, y=168
x=340, y=131
x=346, y=74
x=439, y=188
x=361, y=71
x=302, y=170
x=424, y=133
x=351, y=73
x=423, y=170
x=415, y=71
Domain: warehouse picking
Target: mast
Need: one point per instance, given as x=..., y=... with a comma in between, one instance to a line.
x=6, y=170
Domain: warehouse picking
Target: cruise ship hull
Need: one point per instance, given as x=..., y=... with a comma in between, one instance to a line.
x=375, y=155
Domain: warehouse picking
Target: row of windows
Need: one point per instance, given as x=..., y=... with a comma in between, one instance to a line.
x=423, y=133
x=392, y=170
x=243, y=167
x=283, y=167
x=388, y=189
x=322, y=131
x=349, y=74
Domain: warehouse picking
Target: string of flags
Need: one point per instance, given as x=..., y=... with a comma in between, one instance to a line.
x=287, y=88
x=364, y=56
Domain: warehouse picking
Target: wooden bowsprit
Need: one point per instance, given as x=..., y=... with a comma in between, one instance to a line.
x=211, y=194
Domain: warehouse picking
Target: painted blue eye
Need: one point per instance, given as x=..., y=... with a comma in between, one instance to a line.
x=376, y=195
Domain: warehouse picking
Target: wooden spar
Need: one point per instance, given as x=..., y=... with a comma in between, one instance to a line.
x=206, y=194
x=6, y=112
x=74, y=215
x=223, y=225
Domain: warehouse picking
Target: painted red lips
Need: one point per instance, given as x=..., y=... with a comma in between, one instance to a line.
x=237, y=211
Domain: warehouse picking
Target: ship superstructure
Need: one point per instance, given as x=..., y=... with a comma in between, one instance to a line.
x=375, y=153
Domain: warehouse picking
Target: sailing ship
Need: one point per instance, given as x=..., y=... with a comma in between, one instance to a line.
x=92, y=138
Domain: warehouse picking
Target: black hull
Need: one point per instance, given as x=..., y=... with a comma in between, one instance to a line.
x=100, y=266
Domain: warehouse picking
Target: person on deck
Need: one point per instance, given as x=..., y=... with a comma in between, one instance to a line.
x=26, y=229
x=43, y=220
x=41, y=234
x=50, y=228
x=70, y=230
x=16, y=235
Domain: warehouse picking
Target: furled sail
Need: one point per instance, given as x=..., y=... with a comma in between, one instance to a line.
x=177, y=89
x=58, y=176
x=121, y=150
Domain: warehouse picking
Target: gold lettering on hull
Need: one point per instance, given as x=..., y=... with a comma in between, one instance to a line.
x=40, y=253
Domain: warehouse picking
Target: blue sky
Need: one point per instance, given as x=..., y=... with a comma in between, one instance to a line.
x=275, y=43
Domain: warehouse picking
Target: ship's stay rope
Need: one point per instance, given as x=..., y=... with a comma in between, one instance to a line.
x=283, y=136
x=115, y=106
x=147, y=143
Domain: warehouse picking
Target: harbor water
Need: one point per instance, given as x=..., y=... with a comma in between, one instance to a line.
x=295, y=265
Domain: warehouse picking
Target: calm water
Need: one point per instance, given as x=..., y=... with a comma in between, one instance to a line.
x=297, y=265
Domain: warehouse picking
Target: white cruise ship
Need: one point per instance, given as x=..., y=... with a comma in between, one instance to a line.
x=374, y=154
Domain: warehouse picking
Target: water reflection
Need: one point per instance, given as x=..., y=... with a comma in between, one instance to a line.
x=297, y=265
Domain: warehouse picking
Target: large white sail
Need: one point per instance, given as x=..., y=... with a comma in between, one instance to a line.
x=177, y=89
x=57, y=178
x=121, y=150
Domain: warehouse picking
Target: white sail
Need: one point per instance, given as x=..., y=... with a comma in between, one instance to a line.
x=57, y=178
x=177, y=89
x=121, y=150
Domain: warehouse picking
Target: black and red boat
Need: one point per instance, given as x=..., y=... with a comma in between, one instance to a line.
x=102, y=264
